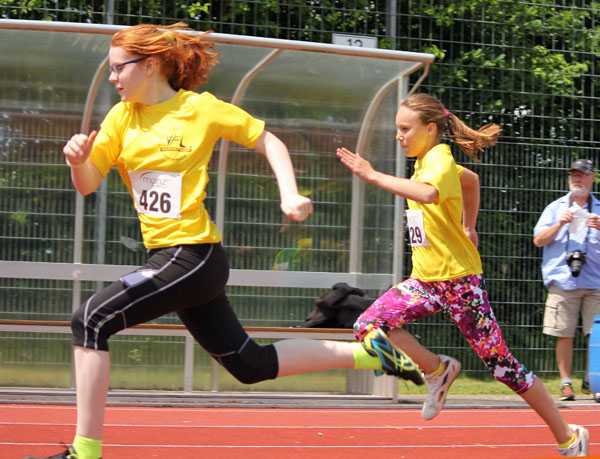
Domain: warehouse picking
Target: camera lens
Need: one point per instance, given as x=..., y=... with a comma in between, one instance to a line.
x=575, y=261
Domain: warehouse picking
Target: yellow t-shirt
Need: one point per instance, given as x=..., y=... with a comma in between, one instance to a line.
x=162, y=153
x=440, y=248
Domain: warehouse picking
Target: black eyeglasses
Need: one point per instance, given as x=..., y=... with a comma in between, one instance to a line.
x=118, y=68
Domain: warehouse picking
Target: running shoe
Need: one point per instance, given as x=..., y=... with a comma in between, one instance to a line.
x=438, y=387
x=580, y=448
x=585, y=387
x=567, y=394
x=68, y=454
x=597, y=397
x=393, y=361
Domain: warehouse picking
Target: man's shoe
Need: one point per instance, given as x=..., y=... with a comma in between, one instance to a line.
x=68, y=454
x=585, y=387
x=393, y=361
x=580, y=448
x=567, y=394
x=438, y=387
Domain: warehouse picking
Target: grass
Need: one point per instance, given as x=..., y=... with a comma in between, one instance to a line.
x=466, y=385
x=161, y=378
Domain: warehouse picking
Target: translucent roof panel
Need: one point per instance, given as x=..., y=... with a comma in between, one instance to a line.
x=321, y=86
x=44, y=70
x=313, y=96
x=234, y=62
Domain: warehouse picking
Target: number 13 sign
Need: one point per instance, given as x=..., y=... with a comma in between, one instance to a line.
x=357, y=41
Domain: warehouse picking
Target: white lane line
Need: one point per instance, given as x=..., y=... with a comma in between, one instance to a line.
x=217, y=409
x=295, y=446
x=312, y=426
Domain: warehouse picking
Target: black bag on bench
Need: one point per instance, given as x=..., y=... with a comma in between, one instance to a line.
x=338, y=307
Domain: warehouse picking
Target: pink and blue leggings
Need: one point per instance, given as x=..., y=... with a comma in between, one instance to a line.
x=466, y=303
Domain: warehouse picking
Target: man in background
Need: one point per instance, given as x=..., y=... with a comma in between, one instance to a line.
x=569, y=233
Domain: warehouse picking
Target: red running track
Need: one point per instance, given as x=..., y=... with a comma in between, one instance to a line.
x=268, y=433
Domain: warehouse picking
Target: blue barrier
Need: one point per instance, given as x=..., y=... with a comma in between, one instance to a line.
x=594, y=356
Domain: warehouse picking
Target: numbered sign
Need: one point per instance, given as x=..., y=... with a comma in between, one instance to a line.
x=157, y=193
x=416, y=228
x=358, y=41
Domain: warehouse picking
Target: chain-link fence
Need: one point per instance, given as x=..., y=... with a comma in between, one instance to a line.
x=531, y=66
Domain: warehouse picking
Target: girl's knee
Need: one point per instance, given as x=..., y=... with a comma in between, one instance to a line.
x=253, y=364
x=516, y=376
x=77, y=327
x=93, y=334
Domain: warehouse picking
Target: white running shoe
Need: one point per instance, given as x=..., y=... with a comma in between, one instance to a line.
x=438, y=386
x=580, y=448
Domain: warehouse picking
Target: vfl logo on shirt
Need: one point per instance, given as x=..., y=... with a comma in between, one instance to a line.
x=175, y=143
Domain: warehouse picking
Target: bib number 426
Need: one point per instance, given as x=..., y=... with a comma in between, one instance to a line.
x=157, y=193
x=155, y=201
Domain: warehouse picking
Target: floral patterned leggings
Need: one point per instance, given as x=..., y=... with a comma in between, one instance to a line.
x=465, y=301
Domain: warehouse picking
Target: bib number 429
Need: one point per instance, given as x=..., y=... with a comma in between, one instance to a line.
x=416, y=228
x=415, y=235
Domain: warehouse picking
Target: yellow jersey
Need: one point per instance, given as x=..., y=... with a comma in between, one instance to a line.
x=440, y=248
x=162, y=153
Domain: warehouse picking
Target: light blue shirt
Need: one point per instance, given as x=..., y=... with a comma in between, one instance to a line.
x=554, y=263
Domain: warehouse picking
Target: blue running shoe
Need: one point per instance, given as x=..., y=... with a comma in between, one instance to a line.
x=394, y=362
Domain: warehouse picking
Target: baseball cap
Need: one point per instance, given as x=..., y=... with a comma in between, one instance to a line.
x=583, y=165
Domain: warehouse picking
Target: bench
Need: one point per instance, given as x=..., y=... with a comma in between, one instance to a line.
x=357, y=382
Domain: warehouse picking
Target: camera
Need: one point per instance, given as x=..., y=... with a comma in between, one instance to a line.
x=575, y=261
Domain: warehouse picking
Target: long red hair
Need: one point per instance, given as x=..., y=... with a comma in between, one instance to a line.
x=185, y=59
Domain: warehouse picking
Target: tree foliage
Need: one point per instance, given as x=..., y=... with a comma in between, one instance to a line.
x=553, y=45
x=549, y=46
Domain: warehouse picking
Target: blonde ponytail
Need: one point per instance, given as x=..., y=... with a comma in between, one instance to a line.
x=472, y=142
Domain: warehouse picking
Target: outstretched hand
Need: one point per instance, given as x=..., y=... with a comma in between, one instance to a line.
x=78, y=148
x=355, y=163
x=297, y=207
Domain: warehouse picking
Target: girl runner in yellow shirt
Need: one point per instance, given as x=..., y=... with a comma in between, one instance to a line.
x=161, y=137
x=447, y=273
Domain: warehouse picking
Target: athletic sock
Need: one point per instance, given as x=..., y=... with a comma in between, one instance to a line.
x=363, y=360
x=438, y=371
x=566, y=381
x=87, y=448
x=570, y=442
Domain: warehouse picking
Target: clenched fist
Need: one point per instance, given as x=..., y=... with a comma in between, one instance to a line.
x=78, y=148
x=297, y=207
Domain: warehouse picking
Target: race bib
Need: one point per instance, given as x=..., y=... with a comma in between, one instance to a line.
x=157, y=193
x=416, y=228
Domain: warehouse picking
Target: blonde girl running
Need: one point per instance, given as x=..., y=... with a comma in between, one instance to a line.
x=447, y=271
